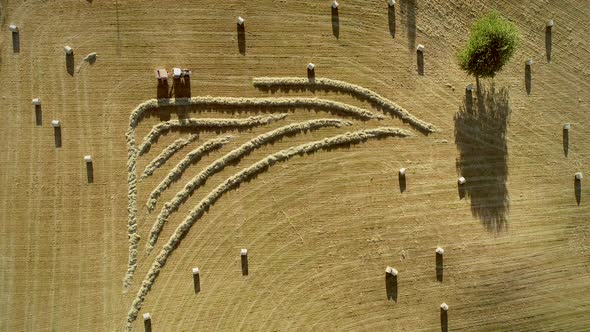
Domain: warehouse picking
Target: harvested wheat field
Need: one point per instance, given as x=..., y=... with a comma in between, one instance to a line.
x=309, y=167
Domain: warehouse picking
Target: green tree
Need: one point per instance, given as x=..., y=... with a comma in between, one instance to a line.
x=492, y=43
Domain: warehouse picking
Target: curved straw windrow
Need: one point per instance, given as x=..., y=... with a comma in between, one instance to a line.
x=246, y=174
x=167, y=153
x=209, y=102
x=163, y=127
x=360, y=92
x=185, y=163
x=220, y=163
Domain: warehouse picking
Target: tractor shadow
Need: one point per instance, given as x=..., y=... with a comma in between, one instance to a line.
x=480, y=137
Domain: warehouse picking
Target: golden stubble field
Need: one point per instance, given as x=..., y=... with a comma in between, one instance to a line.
x=320, y=228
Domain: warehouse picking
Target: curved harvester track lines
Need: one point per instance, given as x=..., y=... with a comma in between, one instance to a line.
x=243, y=176
x=163, y=127
x=168, y=152
x=358, y=91
x=188, y=160
x=230, y=157
x=209, y=102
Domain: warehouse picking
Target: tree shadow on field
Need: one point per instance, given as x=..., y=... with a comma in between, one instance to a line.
x=480, y=136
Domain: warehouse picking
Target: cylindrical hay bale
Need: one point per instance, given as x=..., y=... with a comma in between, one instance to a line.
x=529, y=62
x=444, y=307
x=440, y=251
x=147, y=322
x=402, y=172
x=244, y=252
x=550, y=23
x=579, y=176
x=335, y=4
x=88, y=159
x=68, y=50
x=567, y=126
x=55, y=123
x=391, y=283
x=310, y=66
x=391, y=3
x=469, y=87
x=240, y=20
x=461, y=180
x=36, y=101
x=390, y=270
x=196, y=270
x=420, y=48
x=13, y=28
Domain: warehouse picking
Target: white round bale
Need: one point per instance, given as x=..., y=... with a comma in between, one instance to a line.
x=391, y=271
